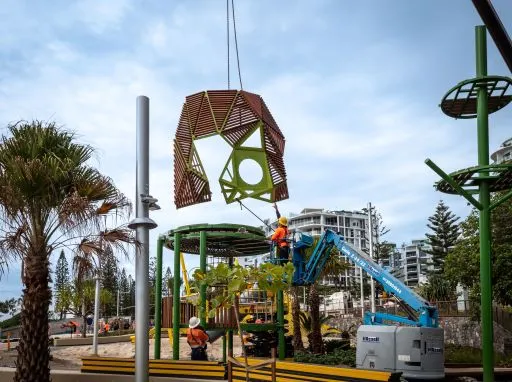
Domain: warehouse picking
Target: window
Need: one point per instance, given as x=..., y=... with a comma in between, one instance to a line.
x=331, y=221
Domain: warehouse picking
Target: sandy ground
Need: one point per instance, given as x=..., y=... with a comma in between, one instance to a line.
x=69, y=357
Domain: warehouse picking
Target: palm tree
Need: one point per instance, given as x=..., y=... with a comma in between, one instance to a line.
x=50, y=198
x=298, y=345
x=334, y=267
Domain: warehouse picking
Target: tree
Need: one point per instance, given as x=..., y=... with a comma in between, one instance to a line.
x=51, y=198
x=9, y=306
x=131, y=282
x=438, y=288
x=168, y=280
x=334, y=267
x=445, y=232
x=170, y=284
x=78, y=299
x=124, y=290
x=109, y=278
x=463, y=262
x=297, y=333
x=61, y=280
x=382, y=249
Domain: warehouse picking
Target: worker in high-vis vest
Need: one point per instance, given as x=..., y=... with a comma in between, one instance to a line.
x=280, y=238
x=197, y=339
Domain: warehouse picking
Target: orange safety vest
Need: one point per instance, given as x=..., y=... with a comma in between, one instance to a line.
x=280, y=236
x=197, y=337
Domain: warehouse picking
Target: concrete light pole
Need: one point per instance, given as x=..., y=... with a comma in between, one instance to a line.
x=142, y=224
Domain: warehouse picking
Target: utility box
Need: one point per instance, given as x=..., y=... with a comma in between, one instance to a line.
x=417, y=352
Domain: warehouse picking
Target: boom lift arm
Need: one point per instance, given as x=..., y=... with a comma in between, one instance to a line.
x=306, y=274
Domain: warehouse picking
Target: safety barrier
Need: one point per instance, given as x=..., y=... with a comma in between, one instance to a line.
x=159, y=368
x=292, y=371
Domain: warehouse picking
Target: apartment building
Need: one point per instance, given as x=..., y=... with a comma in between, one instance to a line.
x=353, y=225
x=415, y=262
x=504, y=153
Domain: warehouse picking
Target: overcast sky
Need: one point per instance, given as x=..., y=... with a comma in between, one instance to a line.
x=354, y=86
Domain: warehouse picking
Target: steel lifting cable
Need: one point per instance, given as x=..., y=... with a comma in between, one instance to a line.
x=236, y=43
x=257, y=217
x=227, y=36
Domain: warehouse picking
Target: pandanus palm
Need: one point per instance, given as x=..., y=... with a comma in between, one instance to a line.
x=334, y=267
x=50, y=198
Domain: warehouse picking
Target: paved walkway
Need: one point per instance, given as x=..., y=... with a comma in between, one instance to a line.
x=500, y=373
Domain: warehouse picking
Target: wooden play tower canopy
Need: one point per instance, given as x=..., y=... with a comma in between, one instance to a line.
x=237, y=116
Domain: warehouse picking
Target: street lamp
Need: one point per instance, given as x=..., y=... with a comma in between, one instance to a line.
x=96, y=314
x=142, y=224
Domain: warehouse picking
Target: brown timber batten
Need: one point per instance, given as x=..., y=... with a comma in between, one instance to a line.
x=232, y=114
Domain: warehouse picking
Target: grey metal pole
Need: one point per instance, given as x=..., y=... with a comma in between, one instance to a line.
x=96, y=316
x=117, y=302
x=372, y=281
x=362, y=291
x=142, y=224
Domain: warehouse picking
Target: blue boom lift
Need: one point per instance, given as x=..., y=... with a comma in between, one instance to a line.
x=413, y=345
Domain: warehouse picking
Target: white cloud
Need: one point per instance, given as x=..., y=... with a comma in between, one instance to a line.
x=355, y=98
x=101, y=16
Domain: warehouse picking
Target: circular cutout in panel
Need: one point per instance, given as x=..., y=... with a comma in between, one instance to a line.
x=250, y=171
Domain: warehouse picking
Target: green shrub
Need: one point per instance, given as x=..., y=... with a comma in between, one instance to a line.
x=466, y=354
x=337, y=357
x=332, y=345
x=10, y=322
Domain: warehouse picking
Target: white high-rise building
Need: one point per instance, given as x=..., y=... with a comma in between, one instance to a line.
x=504, y=153
x=415, y=262
x=353, y=225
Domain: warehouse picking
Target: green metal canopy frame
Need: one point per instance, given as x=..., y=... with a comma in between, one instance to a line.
x=477, y=98
x=220, y=240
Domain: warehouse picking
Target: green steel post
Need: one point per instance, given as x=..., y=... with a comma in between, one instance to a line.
x=485, y=240
x=202, y=268
x=231, y=319
x=224, y=348
x=158, y=296
x=280, y=322
x=176, y=300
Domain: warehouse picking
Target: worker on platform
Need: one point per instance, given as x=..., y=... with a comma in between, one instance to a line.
x=280, y=238
x=197, y=339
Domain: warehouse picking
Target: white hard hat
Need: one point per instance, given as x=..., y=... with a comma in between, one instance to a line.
x=193, y=322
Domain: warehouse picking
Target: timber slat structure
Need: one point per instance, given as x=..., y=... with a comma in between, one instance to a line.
x=294, y=372
x=159, y=368
x=235, y=115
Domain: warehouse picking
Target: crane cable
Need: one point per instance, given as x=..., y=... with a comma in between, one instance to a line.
x=236, y=43
x=257, y=217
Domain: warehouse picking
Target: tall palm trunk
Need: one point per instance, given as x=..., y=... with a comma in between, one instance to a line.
x=297, y=333
x=316, y=344
x=33, y=360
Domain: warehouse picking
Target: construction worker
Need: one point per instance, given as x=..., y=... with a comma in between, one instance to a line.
x=280, y=238
x=197, y=339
